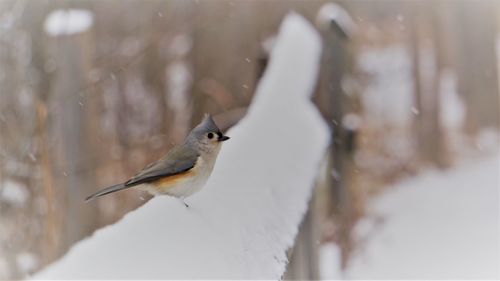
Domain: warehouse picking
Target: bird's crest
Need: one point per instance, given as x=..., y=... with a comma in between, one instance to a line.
x=208, y=124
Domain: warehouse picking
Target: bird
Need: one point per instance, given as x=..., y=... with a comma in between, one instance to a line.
x=183, y=170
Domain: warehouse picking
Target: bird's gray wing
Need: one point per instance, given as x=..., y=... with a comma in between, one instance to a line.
x=178, y=160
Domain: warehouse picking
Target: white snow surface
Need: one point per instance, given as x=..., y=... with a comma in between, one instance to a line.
x=68, y=22
x=246, y=217
x=388, y=95
x=333, y=12
x=452, y=108
x=27, y=262
x=440, y=225
x=14, y=193
x=330, y=262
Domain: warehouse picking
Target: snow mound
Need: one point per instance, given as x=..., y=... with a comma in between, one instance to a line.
x=14, y=193
x=330, y=261
x=246, y=217
x=68, y=22
x=333, y=13
x=441, y=225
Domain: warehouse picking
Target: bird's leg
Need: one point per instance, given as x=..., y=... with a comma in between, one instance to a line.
x=184, y=202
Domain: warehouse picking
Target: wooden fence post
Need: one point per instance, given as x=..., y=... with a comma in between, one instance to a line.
x=69, y=104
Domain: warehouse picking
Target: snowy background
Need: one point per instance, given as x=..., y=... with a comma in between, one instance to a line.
x=364, y=138
x=435, y=226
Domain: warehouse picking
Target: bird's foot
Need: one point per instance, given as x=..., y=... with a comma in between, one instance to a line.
x=184, y=202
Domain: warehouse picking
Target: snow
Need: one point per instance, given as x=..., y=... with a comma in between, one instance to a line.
x=330, y=261
x=333, y=13
x=351, y=121
x=179, y=78
x=177, y=94
x=439, y=225
x=246, y=217
x=487, y=139
x=388, y=97
x=27, y=262
x=14, y=193
x=68, y=22
x=452, y=108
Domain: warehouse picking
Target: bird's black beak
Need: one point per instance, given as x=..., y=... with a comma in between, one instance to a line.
x=223, y=138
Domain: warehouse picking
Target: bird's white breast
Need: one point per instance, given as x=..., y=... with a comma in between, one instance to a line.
x=192, y=183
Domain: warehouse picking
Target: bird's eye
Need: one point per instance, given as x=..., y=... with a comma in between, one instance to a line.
x=210, y=135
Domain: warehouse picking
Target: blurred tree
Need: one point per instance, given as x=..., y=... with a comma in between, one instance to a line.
x=475, y=32
x=428, y=62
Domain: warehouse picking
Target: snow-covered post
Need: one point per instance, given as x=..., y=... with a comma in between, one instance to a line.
x=340, y=29
x=247, y=216
x=70, y=40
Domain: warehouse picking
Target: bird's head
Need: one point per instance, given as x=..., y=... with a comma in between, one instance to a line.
x=206, y=136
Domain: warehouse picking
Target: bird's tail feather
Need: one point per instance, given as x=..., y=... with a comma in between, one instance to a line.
x=107, y=190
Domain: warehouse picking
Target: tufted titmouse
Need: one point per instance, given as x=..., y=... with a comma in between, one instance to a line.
x=183, y=170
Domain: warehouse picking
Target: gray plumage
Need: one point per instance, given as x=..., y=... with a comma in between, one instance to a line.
x=178, y=160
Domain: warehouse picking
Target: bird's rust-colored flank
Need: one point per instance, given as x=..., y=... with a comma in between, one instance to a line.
x=165, y=183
